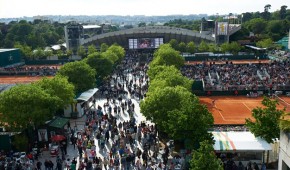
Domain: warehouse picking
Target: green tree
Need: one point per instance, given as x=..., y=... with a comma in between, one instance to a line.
x=24, y=106
x=182, y=47
x=92, y=49
x=169, y=77
x=203, y=47
x=80, y=74
x=212, y=47
x=174, y=44
x=166, y=55
x=25, y=50
x=266, y=123
x=235, y=47
x=266, y=14
x=101, y=64
x=178, y=113
x=225, y=47
x=110, y=56
x=283, y=12
x=256, y=25
x=104, y=47
x=69, y=53
x=204, y=158
x=153, y=71
x=38, y=54
x=265, y=43
x=82, y=51
x=59, y=87
x=117, y=50
x=190, y=48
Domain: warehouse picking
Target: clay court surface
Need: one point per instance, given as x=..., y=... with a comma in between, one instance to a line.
x=18, y=79
x=234, y=109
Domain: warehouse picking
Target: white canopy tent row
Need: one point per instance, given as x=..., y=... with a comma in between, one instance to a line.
x=82, y=102
x=245, y=145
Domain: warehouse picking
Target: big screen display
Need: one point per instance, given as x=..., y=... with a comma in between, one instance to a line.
x=143, y=43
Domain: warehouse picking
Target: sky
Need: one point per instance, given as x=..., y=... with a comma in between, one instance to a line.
x=29, y=8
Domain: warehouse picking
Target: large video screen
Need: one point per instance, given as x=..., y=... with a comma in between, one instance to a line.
x=143, y=43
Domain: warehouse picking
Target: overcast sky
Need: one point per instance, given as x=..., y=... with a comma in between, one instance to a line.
x=19, y=8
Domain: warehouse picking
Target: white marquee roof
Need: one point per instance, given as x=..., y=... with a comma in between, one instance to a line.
x=239, y=141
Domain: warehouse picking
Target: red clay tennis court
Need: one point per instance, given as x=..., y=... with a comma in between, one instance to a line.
x=18, y=79
x=232, y=110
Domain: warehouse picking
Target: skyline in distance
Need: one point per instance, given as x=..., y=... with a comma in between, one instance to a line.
x=29, y=8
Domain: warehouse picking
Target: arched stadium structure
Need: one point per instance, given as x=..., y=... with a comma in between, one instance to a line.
x=167, y=33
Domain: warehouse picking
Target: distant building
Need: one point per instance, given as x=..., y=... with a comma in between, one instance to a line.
x=74, y=34
x=9, y=57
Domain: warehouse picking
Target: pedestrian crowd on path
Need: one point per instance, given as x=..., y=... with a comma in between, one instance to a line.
x=114, y=137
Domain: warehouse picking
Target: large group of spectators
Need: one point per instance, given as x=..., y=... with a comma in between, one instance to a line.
x=229, y=77
x=122, y=144
x=30, y=70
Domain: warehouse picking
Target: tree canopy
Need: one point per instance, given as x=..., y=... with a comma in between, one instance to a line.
x=117, y=50
x=266, y=120
x=101, y=64
x=23, y=106
x=169, y=77
x=80, y=74
x=166, y=55
x=204, y=158
x=59, y=87
x=177, y=112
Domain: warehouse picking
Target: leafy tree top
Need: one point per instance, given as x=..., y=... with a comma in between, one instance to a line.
x=80, y=74
x=266, y=123
x=100, y=63
x=204, y=158
x=59, y=87
x=26, y=105
x=166, y=55
x=177, y=112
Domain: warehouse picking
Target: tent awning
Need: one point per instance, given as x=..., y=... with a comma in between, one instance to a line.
x=85, y=96
x=58, y=122
x=239, y=141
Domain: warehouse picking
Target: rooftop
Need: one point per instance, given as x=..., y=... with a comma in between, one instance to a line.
x=10, y=49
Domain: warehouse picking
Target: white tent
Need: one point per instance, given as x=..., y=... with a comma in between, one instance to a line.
x=85, y=96
x=239, y=141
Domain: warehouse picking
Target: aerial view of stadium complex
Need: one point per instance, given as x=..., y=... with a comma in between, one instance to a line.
x=200, y=92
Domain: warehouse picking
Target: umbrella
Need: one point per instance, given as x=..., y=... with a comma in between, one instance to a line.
x=57, y=138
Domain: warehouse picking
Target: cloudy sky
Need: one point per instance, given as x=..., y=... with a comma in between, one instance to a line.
x=19, y=8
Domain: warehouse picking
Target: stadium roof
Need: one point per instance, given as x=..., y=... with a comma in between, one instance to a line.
x=91, y=26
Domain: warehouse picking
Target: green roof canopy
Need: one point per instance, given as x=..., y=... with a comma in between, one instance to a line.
x=58, y=122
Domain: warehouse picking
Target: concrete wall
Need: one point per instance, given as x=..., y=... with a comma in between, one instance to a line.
x=284, y=154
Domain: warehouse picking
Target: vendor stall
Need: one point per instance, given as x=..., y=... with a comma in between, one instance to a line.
x=82, y=103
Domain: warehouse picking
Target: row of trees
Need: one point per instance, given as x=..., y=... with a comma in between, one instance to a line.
x=33, y=34
x=96, y=66
x=170, y=104
x=192, y=48
x=24, y=107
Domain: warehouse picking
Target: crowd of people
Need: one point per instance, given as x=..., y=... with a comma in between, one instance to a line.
x=30, y=70
x=108, y=141
x=229, y=77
